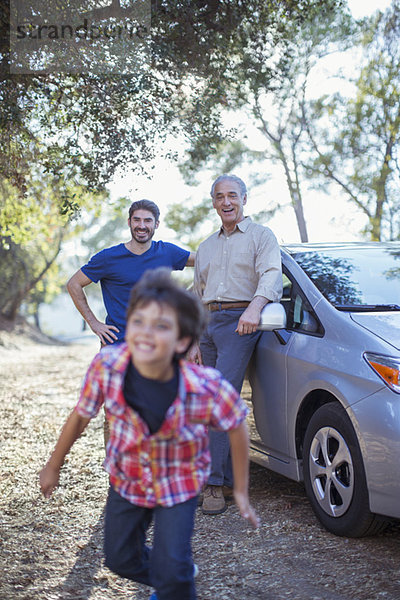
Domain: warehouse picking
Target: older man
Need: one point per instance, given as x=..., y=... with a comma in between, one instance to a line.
x=237, y=271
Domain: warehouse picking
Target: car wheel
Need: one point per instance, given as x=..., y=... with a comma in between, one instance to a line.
x=334, y=475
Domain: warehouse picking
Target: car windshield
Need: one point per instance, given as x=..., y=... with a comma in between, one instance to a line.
x=364, y=278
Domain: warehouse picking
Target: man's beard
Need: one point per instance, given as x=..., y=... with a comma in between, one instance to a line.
x=142, y=240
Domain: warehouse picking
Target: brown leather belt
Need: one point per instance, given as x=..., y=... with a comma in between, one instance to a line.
x=212, y=306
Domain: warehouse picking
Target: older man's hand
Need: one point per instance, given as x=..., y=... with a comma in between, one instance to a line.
x=249, y=320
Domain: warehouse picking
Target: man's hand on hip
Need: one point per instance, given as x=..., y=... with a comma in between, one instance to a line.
x=105, y=332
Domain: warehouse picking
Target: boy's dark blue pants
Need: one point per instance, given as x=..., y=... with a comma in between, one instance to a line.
x=168, y=565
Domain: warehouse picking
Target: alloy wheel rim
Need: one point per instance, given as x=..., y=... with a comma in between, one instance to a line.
x=331, y=471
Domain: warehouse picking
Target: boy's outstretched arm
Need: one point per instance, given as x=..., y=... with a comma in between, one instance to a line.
x=49, y=475
x=239, y=441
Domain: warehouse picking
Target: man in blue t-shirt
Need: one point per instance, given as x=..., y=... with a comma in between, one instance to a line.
x=118, y=268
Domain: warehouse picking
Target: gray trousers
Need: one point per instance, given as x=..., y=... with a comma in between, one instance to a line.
x=230, y=353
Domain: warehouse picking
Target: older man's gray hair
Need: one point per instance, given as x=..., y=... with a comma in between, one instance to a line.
x=228, y=176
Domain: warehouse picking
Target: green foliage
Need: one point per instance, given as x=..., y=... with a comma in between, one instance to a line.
x=102, y=230
x=193, y=223
x=63, y=135
x=22, y=268
x=356, y=140
x=269, y=82
x=227, y=155
x=33, y=229
x=88, y=124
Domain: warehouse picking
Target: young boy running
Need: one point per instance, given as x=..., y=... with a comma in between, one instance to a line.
x=159, y=408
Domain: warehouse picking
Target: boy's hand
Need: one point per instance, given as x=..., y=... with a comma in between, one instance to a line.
x=246, y=510
x=48, y=479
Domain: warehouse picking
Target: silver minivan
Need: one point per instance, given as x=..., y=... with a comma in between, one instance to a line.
x=326, y=384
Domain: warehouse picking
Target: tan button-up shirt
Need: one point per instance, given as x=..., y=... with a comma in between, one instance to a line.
x=239, y=265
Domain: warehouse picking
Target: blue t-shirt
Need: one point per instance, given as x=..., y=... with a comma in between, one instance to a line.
x=118, y=270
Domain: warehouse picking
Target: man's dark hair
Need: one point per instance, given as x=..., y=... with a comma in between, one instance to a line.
x=145, y=205
x=157, y=285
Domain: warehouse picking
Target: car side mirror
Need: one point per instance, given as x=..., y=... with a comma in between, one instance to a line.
x=273, y=316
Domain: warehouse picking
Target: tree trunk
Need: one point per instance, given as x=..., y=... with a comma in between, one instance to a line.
x=36, y=317
x=293, y=184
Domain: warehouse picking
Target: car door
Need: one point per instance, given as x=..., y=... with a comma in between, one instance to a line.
x=267, y=375
x=270, y=380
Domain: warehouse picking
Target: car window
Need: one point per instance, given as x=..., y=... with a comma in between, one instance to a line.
x=349, y=277
x=299, y=313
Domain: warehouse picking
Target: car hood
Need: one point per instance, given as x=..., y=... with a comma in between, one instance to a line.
x=385, y=325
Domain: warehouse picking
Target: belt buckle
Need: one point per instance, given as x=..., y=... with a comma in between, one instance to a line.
x=213, y=306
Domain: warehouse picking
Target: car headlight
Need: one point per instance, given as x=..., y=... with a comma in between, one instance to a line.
x=387, y=367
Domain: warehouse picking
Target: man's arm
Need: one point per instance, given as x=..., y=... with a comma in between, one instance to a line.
x=50, y=474
x=191, y=259
x=75, y=288
x=194, y=354
x=269, y=289
x=239, y=441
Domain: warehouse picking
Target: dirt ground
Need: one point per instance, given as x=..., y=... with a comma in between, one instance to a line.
x=52, y=549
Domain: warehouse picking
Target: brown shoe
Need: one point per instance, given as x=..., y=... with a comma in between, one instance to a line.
x=228, y=493
x=213, y=500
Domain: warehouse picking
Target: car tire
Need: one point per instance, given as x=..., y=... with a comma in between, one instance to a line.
x=334, y=475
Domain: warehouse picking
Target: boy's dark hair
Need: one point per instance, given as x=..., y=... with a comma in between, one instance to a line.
x=145, y=205
x=157, y=285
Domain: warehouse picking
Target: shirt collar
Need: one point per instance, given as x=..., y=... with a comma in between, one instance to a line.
x=116, y=357
x=241, y=226
x=192, y=378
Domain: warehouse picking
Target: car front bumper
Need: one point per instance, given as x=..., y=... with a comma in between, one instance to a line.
x=378, y=417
